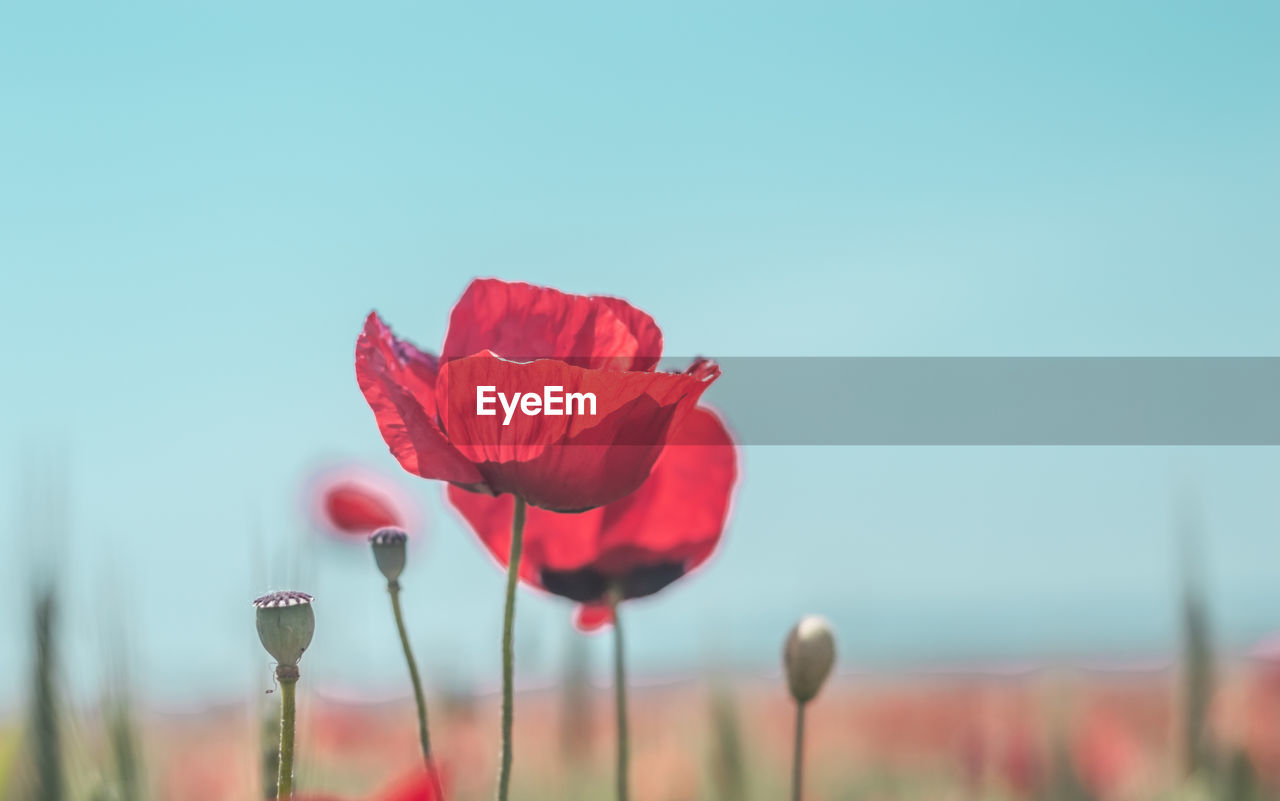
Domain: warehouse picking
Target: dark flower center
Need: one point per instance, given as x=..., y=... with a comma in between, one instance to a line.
x=588, y=585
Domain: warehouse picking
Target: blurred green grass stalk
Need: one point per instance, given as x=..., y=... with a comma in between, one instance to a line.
x=1197, y=686
x=125, y=753
x=575, y=704
x=1197, y=652
x=728, y=755
x=46, y=731
x=269, y=748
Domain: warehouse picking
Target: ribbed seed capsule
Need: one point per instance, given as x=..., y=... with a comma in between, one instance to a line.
x=286, y=622
x=389, y=546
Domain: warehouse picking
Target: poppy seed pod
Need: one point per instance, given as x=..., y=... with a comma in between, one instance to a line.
x=389, y=545
x=286, y=622
x=809, y=654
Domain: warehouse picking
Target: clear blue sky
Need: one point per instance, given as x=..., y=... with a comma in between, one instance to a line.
x=200, y=202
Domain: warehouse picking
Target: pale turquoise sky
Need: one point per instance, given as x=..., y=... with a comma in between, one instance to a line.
x=200, y=202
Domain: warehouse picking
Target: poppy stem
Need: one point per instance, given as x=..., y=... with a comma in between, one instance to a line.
x=508, y=656
x=284, y=779
x=797, y=760
x=393, y=587
x=620, y=697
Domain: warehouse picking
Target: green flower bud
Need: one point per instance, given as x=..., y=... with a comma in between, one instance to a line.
x=809, y=654
x=286, y=622
x=389, y=551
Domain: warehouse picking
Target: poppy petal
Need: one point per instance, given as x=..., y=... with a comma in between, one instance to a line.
x=398, y=381
x=682, y=513
x=676, y=517
x=648, y=337
x=590, y=618
x=564, y=462
x=523, y=322
x=490, y=518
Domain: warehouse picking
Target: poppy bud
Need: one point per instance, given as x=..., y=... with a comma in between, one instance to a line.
x=286, y=622
x=808, y=656
x=389, y=551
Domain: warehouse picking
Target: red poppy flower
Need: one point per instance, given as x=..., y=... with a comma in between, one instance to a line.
x=521, y=341
x=352, y=501
x=640, y=543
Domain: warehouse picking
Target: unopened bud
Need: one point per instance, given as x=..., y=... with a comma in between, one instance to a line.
x=286, y=622
x=389, y=551
x=809, y=654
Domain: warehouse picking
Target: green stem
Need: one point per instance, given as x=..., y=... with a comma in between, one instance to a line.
x=797, y=759
x=620, y=699
x=508, y=656
x=284, y=781
x=393, y=587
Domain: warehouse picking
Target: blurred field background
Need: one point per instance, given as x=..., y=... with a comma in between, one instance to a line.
x=1197, y=728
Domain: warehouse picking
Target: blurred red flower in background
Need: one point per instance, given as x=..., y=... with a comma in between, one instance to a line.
x=520, y=338
x=418, y=785
x=1108, y=754
x=1262, y=702
x=421, y=784
x=355, y=510
x=643, y=542
x=352, y=502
